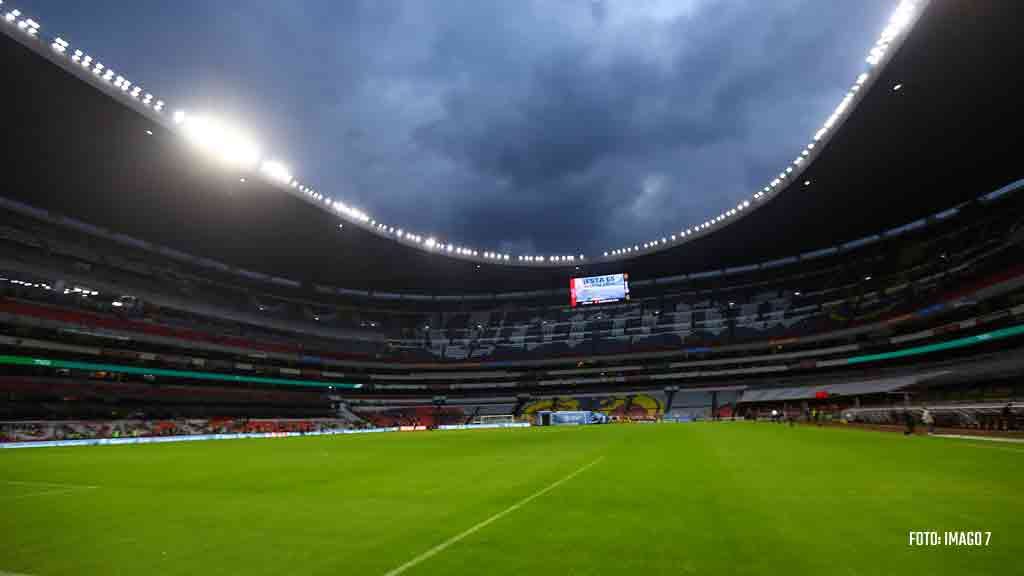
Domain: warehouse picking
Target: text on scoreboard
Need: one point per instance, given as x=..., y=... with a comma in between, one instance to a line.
x=599, y=289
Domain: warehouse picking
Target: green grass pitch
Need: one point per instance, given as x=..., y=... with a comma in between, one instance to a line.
x=712, y=498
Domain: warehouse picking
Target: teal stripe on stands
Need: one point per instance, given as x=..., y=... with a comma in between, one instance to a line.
x=121, y=369
x=958, y=343
x=74, y=365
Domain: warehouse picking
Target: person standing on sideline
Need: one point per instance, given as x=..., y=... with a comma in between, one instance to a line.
x=908, y=422
x=928, y=420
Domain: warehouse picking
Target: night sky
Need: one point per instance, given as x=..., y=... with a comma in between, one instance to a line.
x=549, y=127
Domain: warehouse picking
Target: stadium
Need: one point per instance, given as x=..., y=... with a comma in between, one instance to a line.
x=825, y=376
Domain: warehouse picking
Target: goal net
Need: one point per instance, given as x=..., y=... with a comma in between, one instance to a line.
x=496, y=419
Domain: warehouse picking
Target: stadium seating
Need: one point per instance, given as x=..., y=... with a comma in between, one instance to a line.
x=139, y=328
x=831, y=295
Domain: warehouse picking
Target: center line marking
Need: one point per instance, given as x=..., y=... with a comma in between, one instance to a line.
x=443, y=545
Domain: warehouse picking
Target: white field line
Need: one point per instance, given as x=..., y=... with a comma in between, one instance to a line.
x=984, y=438
x=483, y=524
x=46, y=484
x=2, y=573
x=46, y=493
x=51, y=489
x=991, y=445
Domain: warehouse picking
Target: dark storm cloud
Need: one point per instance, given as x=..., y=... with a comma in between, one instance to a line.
x=536, y=126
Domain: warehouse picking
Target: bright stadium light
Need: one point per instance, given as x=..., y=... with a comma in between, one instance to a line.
x=224, y=142
x=59, y=45
x=276, y=171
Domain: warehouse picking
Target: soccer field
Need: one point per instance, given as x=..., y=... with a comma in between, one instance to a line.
x=713, y=498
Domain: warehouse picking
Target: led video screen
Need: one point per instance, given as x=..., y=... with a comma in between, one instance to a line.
x=598, y=289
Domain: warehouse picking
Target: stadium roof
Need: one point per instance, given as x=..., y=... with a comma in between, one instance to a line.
x=945, y=136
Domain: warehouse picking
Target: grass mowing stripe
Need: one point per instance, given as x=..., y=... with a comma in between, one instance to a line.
x=479, y=526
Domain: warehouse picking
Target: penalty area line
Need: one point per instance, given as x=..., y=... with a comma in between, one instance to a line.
x=483, y=524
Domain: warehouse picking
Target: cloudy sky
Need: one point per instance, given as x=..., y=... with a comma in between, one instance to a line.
x=554, y=126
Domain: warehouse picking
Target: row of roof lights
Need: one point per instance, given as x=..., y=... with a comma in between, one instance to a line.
x=237, y=150
x=44, y=286
x=898, y=23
